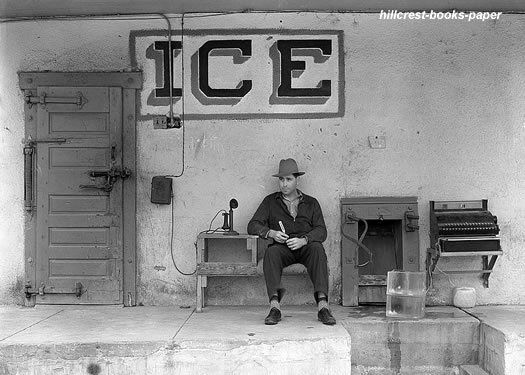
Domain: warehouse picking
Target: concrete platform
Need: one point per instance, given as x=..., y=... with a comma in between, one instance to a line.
x=502, y=333
x=437, y=344
x=168, y=340
x=234, y=340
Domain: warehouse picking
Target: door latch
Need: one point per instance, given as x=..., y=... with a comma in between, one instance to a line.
x=111, y=176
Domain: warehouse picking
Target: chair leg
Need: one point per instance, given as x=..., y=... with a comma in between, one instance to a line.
x=200, y=299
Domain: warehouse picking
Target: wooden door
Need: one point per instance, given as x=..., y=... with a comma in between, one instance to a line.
x=79, y=252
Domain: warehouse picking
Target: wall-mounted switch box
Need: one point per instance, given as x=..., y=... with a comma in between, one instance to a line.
x=161, y=190
x=164, y=122
x=377, y=141
x=160, y=122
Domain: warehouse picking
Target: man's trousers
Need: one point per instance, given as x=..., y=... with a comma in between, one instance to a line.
x=312, y=256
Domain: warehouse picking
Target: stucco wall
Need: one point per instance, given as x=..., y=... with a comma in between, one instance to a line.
x=447, y=95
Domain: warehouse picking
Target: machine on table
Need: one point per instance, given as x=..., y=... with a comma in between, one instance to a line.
x=463, y=229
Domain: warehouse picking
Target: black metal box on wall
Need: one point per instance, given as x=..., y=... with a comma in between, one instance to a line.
x=391, y=232
x=161, y=190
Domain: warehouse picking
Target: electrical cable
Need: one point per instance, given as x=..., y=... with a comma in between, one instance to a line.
x=396, y=247
x=171, y=244
x=89, y=17
x=183, y=123
x=208, y=231
x=438, y=248
x=361, y=238
x=447, y=275
x=147, y=16
x=359, y=242
x=211, y=222
x=170, y=63
x=430, y=271
x=170, y=60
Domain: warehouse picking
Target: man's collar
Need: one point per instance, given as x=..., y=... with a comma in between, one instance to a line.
x=280, y=195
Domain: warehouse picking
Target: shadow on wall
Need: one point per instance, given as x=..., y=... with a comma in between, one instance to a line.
x=15, y=292
x=160, y=292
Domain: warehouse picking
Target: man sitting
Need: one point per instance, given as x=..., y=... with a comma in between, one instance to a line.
x=295, y=222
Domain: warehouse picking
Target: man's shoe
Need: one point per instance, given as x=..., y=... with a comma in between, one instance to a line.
x=273, y=317
x=325, y=316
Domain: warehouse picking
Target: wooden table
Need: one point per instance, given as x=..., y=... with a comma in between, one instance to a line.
x=224, y=255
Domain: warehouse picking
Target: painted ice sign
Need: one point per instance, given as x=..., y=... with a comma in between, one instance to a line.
x=241, y=73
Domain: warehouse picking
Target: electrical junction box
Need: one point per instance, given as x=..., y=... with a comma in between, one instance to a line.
x=160, y=122
x=161, y=188
x=164, y=122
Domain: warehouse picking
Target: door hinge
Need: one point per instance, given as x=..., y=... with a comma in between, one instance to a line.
x=43, y=99
x=33, y=142
x=29, y=291
x=411, y=221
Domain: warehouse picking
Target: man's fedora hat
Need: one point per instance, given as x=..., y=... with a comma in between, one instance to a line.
x=288, y=167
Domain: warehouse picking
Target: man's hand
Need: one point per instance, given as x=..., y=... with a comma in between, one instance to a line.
x=296, y=243
x=278, y=236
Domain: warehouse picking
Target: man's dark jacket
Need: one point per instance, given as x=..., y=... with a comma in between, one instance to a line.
x=309, y=221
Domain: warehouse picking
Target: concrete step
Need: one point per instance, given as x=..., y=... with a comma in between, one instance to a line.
x=169, y=340
x=437, y=344
x=502, y=339
x=471, y=370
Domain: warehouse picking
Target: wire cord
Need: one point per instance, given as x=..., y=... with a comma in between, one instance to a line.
x=209, y=230
x=171, y=245
x=183, y=122
x=359, y=242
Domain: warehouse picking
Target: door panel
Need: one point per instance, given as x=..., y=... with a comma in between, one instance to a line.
x=79, y=156
x=87, y=123
x=70, y=204
x=79, y=230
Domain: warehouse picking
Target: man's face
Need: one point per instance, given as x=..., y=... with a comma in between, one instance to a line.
x=288, y=184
